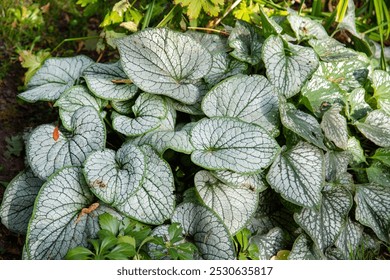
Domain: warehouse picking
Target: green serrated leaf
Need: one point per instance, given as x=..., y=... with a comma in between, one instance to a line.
x=298, y=175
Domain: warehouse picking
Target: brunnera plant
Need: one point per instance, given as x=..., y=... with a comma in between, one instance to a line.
x=278, y=133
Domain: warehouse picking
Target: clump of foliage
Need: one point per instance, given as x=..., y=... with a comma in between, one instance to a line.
x=276, y=135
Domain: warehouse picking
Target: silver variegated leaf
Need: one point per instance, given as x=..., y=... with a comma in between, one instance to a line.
x=319, y=92
x=334, y=126
x=301, y=123
x=165, y=62
x=381, y=85
x=373, y=208
x=18, y=201
x=356, y=150
x=75, y=98
x=347, y=74
x=224, y=66
x=329, y=49
x=306, y=28
x=65, y=216
x=376, y=128
x=115, y=177
x=269, y=244
x=154, y=202
x=225, y=143
x=248, y=98
x=234, y=205
x=323, y=225
x=357, y=106
x=336, y=165
x=251, y=181
x=109, y=82
x=288, y=66
x=246, y=43
x=46, y=153
x=298, y=174
x=378, y=173
x=161, y=141
x=304, y=249
x=149, y=111
x=55, y=77
x=214, y=43
x=349, y=239
x=123, y=107
x=208, y=232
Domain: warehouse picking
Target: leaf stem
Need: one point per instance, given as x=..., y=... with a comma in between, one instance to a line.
x=209, y=29
x=74, y=39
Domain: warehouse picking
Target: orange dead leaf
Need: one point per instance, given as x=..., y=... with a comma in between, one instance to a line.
x=86, y=211
x=56, y=133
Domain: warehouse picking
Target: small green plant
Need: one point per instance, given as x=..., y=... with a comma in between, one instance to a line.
x=278, y=128
x=15, y=146
x=117, y=240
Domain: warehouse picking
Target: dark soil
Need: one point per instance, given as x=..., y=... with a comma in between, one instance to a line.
x=15, y=118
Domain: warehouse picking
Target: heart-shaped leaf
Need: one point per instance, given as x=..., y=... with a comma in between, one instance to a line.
x=55, y=77
x=73, y=99
x=154, y=202
x=269, y=244
x=376, y=127
x=165, y=62
x=373, y=208
x=329, y=49
x=336, y=165
x=234, y=205
x=319, y=92
x=347, y=74
x=149, y=111
x=18, y=201
x=301, y=123
x=248, y=98
x=334, y=126
x=325, y=224
x=109, y=82
x=246, y=43
x=224, y=66
x=208, y=232
x=115, y=177
x=304, y=249
x=214, y=43
x=306, y=28
x=226, y=143
x=123, y=107
x=349, y=239
x=298, y=175
x=161, y=141
x=252, y=181
x=381, y=85
x=288, y=66
x=65, y=216
x=46, y=154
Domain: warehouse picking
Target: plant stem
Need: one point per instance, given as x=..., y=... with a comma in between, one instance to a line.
x=74, y=39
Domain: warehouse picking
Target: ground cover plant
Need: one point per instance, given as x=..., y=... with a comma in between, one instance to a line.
x=269, y=140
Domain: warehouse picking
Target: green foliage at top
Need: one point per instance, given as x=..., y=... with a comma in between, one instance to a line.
x=237, y=146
